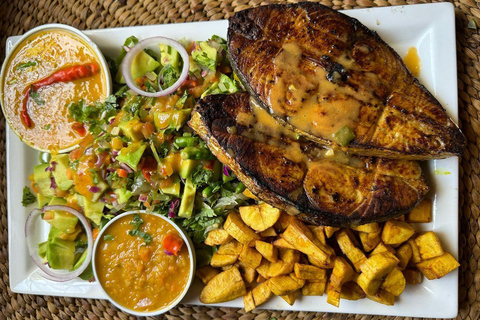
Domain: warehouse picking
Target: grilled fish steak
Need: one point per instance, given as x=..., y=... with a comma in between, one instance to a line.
x=319, y=72
x=320, y=185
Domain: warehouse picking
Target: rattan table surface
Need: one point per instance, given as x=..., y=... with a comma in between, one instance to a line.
x=18, y=16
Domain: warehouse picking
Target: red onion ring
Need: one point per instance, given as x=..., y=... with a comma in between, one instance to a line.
x=130, y=56
x=126, y=167
x=49, y=273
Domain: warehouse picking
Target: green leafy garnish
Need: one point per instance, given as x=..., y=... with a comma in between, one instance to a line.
x=129, y=42
x=108, y=237
x=28, y=197
x=168, y=76
x=136, y=223
x=139, y=233
x=36, y=97
x=26, y=65
x=47, y=127
x=201, y=176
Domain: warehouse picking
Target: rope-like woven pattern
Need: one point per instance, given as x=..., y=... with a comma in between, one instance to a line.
x=18, y=16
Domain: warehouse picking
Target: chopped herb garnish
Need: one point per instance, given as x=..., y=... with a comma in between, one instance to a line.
x=168, y=76
x=28, y=197
x=26, y=65
x=201, y=176
x=47, y=127
x=36, y=97
x=137, y=222
x=139, y=233
x=108, y=237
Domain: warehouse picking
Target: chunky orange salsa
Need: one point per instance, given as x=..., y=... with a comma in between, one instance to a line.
x=137, y=275
x=46, y=73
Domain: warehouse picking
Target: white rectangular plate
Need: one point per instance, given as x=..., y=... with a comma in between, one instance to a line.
x=428, y=27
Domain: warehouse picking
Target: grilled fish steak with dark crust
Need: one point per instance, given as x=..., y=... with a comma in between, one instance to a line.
x=320, y=185
x=319, y=72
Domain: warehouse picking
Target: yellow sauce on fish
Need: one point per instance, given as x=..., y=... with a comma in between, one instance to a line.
x=412, y=61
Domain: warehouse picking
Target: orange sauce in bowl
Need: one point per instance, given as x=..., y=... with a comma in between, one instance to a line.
x=139, y=276
x=35, y=59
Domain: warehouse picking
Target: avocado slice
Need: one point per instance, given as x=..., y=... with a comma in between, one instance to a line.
x=188, y=199
x=127, y=128
x=60, y=171
x=42, y=249
x=42, y=178
x=217, y=171
x=169, y=55
x=79, y=259
x=93, y=210
x=61, y=220
x=171, y=119
x=122, y=195
x=102, y=186
x=60, y=253
x=141, y=64
x=132, y=154
x=205, y=55
x=42, y=200
x=186, y=167
x=173, y=189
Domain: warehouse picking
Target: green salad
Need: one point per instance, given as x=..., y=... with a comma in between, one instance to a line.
x=139, y=153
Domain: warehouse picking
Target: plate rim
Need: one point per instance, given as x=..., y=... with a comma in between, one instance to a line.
x=96, y=32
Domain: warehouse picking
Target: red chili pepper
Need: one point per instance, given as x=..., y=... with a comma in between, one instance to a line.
x=172, y=243
x=63, y=75
x=68, y=74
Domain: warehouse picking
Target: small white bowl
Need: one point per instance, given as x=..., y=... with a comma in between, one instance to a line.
x=191, y=253
x=76, y=32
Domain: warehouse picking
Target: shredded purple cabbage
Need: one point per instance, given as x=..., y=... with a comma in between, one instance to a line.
x=226, y=171
x=51, y=167
x=93, y=189
x=173, y=207
x=53, y=184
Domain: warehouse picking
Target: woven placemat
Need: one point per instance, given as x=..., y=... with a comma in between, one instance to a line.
x=18, y=16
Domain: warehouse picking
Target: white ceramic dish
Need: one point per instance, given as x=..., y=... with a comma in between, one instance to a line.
x=191, y=253
x=428, y=27
x=72, y=30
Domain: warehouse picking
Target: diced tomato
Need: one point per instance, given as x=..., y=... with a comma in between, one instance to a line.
x=79, y=128
x=209, y=165
x=75, y=154
x=34, y=187
x=122, y=173
x=95, y=233
x=172, y=243
x=149, y=166
x=69, y=174
x=187, y=84
x=148, y=129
